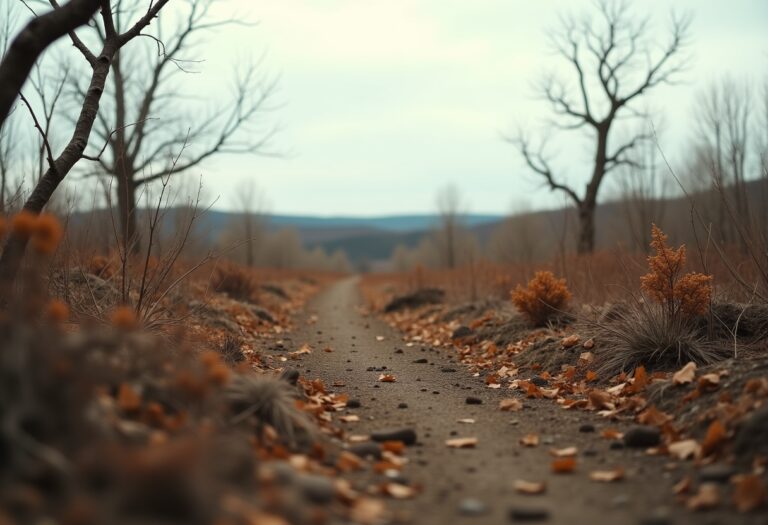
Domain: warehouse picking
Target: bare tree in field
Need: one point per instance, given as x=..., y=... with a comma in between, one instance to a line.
x=724, y=118
x=614, y=59
x=149, y=117
x=449, y=229
x=251, y=207
x=100, y=63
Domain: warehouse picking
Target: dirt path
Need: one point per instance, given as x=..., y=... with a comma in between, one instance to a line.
x=435, y=394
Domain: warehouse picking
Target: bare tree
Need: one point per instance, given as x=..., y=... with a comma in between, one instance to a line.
x=74, y=150
x=449, y=230
x=30, y=43
x=251, y=207
x=614, y=61
x=723, y=140
x=149, y=119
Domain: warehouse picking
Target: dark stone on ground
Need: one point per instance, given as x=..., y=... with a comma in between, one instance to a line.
x=447, y=370
x=642, y=437
x=752, y=436
x=539, y=381
x=402, y=405
x=474, y=401
x=366, y=450
x=587, y=427
x=416, y=299
x=462, y=332
x=527, y=514
x=354, y=403
x=317, y=489
x=406, y=435
x=717, y=472
x=421, y=361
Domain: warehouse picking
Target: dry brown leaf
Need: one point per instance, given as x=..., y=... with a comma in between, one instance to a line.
x=653, y=416
x=601, y=400
x=748, y=493
x=683, y=486
x=564, y=452
x=564, y=465
x=348, y=462
x=468, y=442
x=367, y=511
x=708, y=497
x=587, y=357
x=398, y=490
x=685, y=375
x=387, y=378
x=685, y=449
x=611, y=433
x=591, y=375
x=589, y=344
x=571, y=340
x=128, y=399
x=530, y=440
x=351, y=418
x=510, y=405
x=714, y=438
x=466, y=421
x=529, y=488
x=607, y=476
x=379, y=337
x=709, y=381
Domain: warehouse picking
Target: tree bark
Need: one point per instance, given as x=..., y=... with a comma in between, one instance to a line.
x=29, y=44
x=126, y=205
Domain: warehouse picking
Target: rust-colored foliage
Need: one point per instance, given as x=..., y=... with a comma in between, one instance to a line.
x=679, y=293
x=235, y=281
x=544, y=296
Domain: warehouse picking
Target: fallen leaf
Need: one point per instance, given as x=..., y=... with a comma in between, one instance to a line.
x=611, y=433
x=685, y=449
x=683, y=486
x=685, y=375
x=379, y=337
x=398, y=490
x=607, y=476
x=640, y=380
x=367, y=511
x=510, y=405
x=589, y=344
x=396, y=447
x=564, y=452
x=387, y=378
x=601, y=400
x=530, y=440
x=127, y=398
x=714, y=438
x=653, y=416
x=529, y=488
x=709, y=381
x=708, y=497
x=352, y=418
x=328, y=349
x=468, y=442
x=591, y=376
x=571, y=340
x=748, y=493
x=587, y=357
x=348, y=462
x=564, y=465
x=466, y=421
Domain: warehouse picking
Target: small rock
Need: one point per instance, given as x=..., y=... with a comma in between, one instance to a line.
x=462, y=332
x=474, y=401
x=399, y=351
x=402, y=405
x=472, y=507
x=539, y=381
x=366, y=450
x=590, y=452
x=616, y=445
x=421, y=361
x=317, y=489
x=528, y=514
x=642, y=437
x=354, y=403
x=447, y=370
x=717, y=472
x=406, y=435
x=587, y=427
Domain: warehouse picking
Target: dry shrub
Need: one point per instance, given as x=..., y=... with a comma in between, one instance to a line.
x=680, y=294
x=235, y=281
x=543, y=298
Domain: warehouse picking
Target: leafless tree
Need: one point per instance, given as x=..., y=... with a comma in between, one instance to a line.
x=100, y=64
x=615, y=60
x=148, y=117
x=251, y=206
x=724, y=118
x=30, y=43
x=449, y=230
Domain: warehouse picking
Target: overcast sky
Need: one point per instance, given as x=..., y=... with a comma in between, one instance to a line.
x=382, y=102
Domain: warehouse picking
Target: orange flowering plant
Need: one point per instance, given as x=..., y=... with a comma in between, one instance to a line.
x=679, y=293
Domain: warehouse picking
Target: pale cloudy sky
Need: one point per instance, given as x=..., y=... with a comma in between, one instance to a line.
x=385, y=101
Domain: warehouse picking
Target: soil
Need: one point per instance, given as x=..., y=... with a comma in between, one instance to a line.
x=475, y=485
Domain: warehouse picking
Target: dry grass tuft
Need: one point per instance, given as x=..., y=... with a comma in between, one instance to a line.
x=235, y=281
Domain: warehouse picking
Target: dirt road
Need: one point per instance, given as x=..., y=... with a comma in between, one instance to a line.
x=477, y=485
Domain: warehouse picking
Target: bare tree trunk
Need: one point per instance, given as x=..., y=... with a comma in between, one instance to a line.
x=127, y=211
